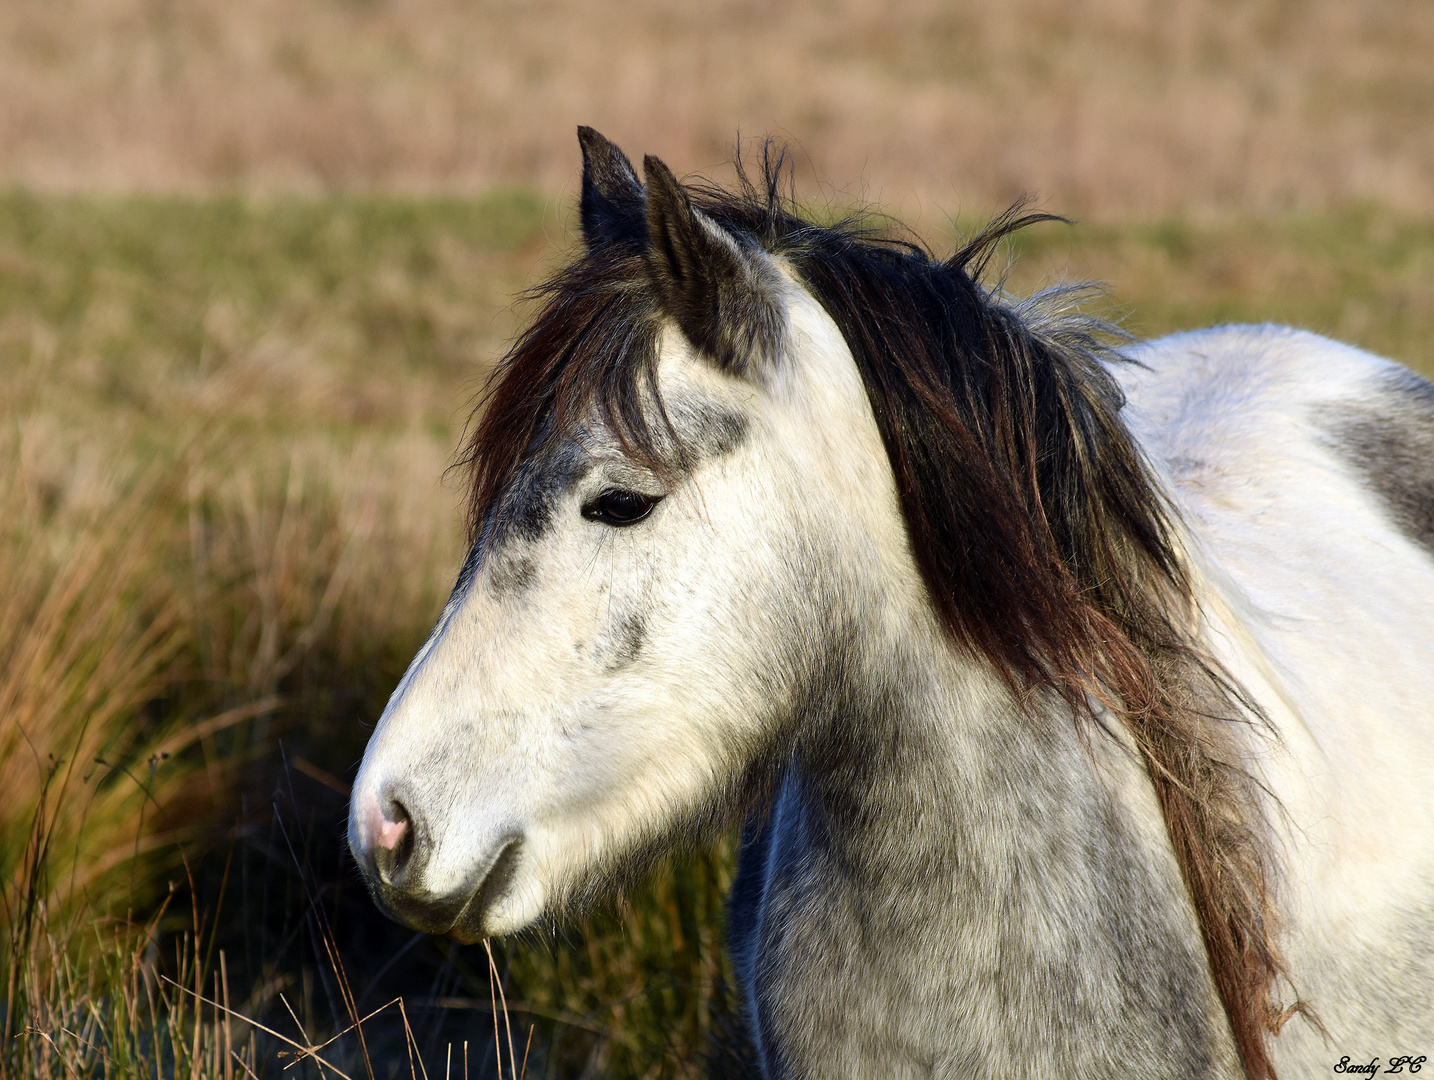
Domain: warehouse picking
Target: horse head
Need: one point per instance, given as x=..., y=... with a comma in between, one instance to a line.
x=681, y=521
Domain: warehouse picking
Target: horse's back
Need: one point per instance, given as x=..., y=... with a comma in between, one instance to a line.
x=1305, y=472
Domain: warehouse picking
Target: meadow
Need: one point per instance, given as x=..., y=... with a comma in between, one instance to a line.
x=225, y=528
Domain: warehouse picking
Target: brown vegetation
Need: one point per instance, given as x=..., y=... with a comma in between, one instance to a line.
x=1098, y=106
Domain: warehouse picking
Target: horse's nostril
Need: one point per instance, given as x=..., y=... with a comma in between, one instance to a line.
x=394, y=843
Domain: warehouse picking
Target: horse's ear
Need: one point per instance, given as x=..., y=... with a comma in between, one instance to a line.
x=613, y=204
x=724, y=296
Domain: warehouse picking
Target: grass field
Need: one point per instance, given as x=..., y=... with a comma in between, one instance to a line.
x=223, y=533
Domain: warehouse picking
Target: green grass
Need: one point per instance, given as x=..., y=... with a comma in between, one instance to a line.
x=223, y=534
x=129, y=305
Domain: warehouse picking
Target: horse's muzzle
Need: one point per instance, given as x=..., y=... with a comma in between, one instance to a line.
x=393, y=848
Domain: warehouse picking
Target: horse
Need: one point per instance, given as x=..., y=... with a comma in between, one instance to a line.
x=1075, y=692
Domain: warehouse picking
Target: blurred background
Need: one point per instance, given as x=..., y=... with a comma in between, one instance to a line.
x=255, y=261
x=1111, y=106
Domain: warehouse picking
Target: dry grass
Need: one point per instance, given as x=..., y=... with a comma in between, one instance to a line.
x=146, y=629
x=112, y=1015
x=1101, y=106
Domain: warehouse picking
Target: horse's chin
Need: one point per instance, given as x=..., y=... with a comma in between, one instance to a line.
x=465, y=936
x=469, y=921
x=516, y=910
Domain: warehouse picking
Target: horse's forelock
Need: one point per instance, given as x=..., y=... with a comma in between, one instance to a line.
x=591, y=353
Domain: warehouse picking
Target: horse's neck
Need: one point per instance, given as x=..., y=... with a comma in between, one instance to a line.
x=985, y=886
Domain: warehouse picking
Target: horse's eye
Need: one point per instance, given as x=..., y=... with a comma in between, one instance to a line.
x=617, y=507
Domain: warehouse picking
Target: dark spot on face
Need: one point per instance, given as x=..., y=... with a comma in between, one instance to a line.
x=526, y=507
x=627, y=641
x=1389, y=438
x=523, y=512
x=512, y=575
x=715, y=432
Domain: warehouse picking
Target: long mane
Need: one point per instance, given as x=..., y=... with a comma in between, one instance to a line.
x=1046, y=545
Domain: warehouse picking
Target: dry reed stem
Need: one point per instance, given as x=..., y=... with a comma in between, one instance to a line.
x=495, y=980
x=413, y=1051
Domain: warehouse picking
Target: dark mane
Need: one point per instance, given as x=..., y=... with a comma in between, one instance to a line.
x=1045, y=543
